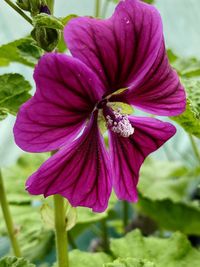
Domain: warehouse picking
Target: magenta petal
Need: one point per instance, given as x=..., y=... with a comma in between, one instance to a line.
x=128, y=154
x=80, y=172
x=160, y=92
x=67, y=91
x=121, y=48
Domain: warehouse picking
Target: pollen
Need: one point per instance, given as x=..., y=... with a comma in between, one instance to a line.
x=120, y=124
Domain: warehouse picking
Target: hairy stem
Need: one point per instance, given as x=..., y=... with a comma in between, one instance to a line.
x=97, y=8
x=19, y=11
x=8, y=219
x=195, y=148
x=60, y=232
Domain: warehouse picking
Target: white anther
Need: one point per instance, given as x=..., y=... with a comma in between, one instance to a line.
x=120, y=124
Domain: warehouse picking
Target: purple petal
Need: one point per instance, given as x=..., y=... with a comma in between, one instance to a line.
x=128, y=154
x=159, y=92
x=64, y=99
x=120, y=49
x=80, y=172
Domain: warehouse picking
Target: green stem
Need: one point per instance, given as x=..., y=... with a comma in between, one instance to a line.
x=60, y=232
x=97, y=8
x=105, y=8
x=18, y=10
x=194, y=146
x=125, y=214
x=8, y=219
x=105, y=236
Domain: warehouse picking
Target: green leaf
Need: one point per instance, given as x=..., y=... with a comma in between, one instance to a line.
x=14, y=91
x=189, y=121
x=170, y=252
x=163, y=179
x=22, y=51
x=84, y=259
x=184, y=217
x=47, y=21
x=189, y=72
x=15, y=262
x=130, y=262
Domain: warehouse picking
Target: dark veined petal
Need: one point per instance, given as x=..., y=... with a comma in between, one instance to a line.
x=159, y=92
x=66, y=93
x=80, y=172
x=128, y=154
x=120, y=49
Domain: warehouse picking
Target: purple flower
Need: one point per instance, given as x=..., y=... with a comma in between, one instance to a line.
x=124, y=51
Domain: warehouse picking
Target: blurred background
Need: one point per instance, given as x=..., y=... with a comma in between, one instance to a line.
x=181, y=20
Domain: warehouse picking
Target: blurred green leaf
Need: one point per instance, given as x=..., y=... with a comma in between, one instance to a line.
x=164, y=179
x=14, y=91
x=184, y=217
x=170, y=252
x=15, y=262
x=25, y=208
x=22, y=51
x=130, y=262
x=84, y=259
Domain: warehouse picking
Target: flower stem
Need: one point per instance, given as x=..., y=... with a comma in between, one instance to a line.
x=19, y=11
x=97, y=8
x=105, y=237
x=125, y=214
x=8, y=219
x=105, y=8
x=60, y=232
x=194, y=146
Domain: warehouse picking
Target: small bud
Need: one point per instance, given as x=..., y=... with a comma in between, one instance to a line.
x=46, y=38
x=45, y=9
x=35, y=7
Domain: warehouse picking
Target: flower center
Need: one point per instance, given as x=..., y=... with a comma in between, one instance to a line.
x=119, y=123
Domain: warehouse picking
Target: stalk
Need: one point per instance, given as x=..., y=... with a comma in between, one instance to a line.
x=195, y=148
x=8, y=219
x=19, y=11
x=60, y=232
x=125, y=214
x=105, y=237
x=97, y=8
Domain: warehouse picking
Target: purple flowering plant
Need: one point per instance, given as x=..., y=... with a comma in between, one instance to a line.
x=119, y=59
x=97, y=109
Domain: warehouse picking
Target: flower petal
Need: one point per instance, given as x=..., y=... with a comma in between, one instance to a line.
x=119, y=49
x=128, y=154
x=160, y=92
x=64, y=98
x=80, y=172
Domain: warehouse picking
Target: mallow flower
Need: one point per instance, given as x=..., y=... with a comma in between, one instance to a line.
x=120, y=59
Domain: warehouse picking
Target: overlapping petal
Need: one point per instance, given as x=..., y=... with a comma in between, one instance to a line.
x=67, y=91
x=127, y=154
x=120, y=49
x=80, y=172
x=159, y=92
